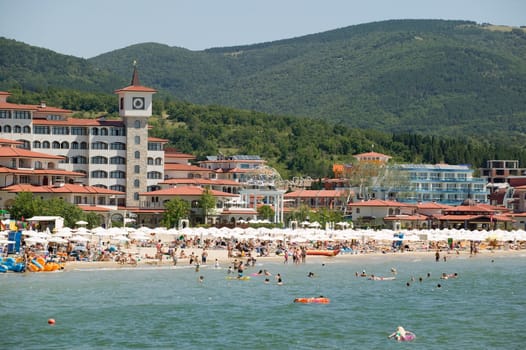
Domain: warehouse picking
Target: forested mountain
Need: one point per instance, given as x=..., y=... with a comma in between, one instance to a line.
x=429, y=76
x=420, y=90
x=424, y=76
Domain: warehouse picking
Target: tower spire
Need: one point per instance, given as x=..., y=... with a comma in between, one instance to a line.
x=135, y=77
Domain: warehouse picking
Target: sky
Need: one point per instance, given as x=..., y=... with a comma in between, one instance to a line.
x=87, y=28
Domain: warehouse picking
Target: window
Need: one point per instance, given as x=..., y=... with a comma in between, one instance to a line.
x=5, y=114
x=77, y=130
x=22, y=115
x=45, y=144
x=41, y=129
x=137, y=169
x=150, y=161
x=56, y=144
x=136, y=196
x=99, y=145
x=26, y=130
x=119, y=188
x=74, y=145
x=38, y=164
x=137, y=140
x=99, y=174
x=103, y=131
x=7, y=128
x=136, y=183
x=79, y=160
x=37, y=144
x=118, y=174
x=117, y=131
x=64, y=145
x=17, y=129
x=137, y=155
x=154, y=175
x=95, y=131
x=118, y=146
x=60, y=130
x=99, y=160
x=137, y=124
x=155, y=146
x=158, y=161
x=25, y=144
x=83, y=145
x=65, y=160
x=117, y=160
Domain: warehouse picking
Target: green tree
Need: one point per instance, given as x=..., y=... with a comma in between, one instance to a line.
x=207, y=202
x=25, y=206
x=93, y=220
x=266, y=212
x=175, y=210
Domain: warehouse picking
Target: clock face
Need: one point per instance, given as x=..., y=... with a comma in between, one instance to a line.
x=138, y=103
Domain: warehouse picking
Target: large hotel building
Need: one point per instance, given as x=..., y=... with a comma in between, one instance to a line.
x=112, y=154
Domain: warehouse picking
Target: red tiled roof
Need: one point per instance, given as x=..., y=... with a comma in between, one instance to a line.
x=185, y=167
x=406, y=218
x=156, y=139
x=433, y=205
x=93, y=208
x=79, y=122
x=379, y=203
x=315, y=194
x=138, y=88
x=56, y=172
x=200, y=182
x=467, y=217
x=14, y=152
x=66, y=188
x=177, y=155
x=469, y=209
x=186, y=191
x=7, y=105
x=10, y=142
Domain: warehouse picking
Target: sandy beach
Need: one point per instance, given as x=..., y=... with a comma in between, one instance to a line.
x=222, y=256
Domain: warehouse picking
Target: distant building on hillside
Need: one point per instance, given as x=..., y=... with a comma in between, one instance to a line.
x=440, y=183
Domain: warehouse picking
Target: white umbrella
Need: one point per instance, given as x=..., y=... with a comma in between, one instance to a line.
x=78, y=239
x=81, y=222
x=58, y=240
x=33, y=240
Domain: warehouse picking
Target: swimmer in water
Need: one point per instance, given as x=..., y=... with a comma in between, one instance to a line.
x=399, y=334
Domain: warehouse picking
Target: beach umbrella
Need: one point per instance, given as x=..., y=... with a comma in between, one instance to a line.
x=58, y=240
x=35, y=240
x=78, y=239
x=81, y=223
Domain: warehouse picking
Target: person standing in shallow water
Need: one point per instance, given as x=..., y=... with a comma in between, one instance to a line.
x=437, y=256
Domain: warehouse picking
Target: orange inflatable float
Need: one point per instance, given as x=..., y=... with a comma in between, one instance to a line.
x=317, y=300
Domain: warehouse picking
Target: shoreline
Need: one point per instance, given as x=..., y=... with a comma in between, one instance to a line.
x=224, y=261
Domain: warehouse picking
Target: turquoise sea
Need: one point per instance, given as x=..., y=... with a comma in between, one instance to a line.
x=168, y=308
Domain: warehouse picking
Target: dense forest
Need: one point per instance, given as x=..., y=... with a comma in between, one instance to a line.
x=295, y=146
x=431, y=77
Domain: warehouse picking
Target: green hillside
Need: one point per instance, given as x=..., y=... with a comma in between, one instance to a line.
x=426, y=76
x=421, y=90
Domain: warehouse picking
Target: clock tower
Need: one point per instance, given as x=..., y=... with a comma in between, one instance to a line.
x=135, y=107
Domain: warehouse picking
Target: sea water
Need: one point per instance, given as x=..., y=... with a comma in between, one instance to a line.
x=169, y=308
